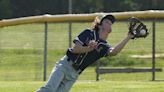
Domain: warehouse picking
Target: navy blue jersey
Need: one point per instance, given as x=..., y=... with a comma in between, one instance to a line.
x=85, y=59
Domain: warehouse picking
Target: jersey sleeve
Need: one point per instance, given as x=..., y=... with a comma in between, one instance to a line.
x=83, y=37
x=103, y=49
x=109, y=50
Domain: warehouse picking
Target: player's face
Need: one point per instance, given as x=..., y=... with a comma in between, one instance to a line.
x=107, y=26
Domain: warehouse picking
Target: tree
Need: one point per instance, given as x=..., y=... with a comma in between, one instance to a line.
x=87, y=6
x=22, y=8
x=38, y=7
x=5, y=9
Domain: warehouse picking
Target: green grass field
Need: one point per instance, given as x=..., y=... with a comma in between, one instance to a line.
x=21, y=59
x=89, y=86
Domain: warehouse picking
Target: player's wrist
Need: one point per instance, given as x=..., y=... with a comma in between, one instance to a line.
x=130, y=36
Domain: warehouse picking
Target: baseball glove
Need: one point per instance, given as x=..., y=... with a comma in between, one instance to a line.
x=137, y=28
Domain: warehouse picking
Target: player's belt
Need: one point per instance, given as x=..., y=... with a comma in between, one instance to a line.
x=75, y=66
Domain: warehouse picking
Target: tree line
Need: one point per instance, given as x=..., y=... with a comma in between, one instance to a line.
x=22, y=8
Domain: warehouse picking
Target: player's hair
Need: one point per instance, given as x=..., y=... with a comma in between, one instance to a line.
x=99, y=19
x=95, y=24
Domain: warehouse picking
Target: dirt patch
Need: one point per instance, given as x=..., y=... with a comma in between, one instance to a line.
x=147, y=56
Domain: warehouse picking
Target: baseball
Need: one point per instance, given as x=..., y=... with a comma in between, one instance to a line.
x=143, y=32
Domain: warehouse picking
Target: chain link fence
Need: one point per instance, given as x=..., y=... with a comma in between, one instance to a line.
x=22, y=51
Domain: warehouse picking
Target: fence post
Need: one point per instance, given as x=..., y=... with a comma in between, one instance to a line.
x=70, y=34
x=97, y=70
x=153, y=50
x=70, y=24
x=45, y=51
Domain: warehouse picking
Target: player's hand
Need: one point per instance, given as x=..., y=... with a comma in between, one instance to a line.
x=137, y=28
x=92, y=44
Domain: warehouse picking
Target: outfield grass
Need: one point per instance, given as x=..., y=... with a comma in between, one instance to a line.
x=23, y=65
x=89, y=86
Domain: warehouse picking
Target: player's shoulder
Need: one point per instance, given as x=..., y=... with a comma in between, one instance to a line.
x=88, y=30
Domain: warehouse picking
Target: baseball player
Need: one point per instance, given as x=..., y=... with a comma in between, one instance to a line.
x=89, y=46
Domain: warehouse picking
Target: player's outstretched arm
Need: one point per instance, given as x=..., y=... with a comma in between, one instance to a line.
x=120, y=45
